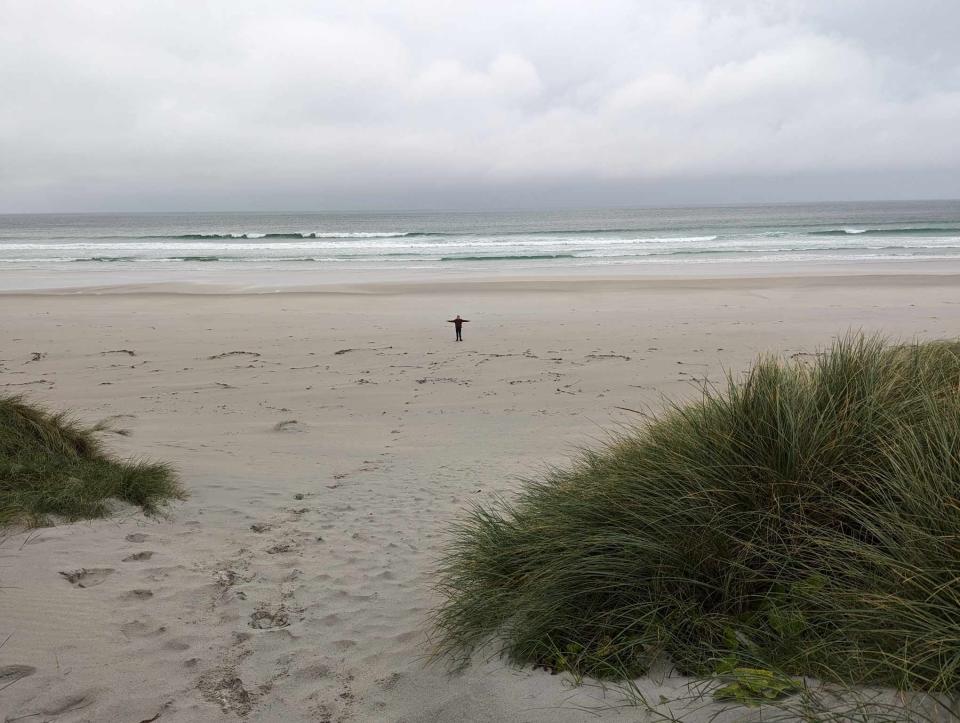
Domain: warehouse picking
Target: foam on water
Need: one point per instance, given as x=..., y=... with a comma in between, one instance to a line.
x=770, y=234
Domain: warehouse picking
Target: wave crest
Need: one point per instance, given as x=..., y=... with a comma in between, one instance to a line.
x=917, y=230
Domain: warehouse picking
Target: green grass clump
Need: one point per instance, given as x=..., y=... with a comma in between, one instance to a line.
x=805, y=518
x=50, y=465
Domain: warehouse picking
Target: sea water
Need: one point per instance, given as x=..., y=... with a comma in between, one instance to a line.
x=175, y=246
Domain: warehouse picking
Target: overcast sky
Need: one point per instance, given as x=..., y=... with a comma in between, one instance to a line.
x=274, y=105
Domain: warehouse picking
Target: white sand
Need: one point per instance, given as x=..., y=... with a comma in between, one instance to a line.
x=391, y=439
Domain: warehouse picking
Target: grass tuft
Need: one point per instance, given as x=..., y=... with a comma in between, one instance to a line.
x=803, y=518
x=52, y=466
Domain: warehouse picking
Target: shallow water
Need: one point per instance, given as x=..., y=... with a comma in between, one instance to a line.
x=334, y=246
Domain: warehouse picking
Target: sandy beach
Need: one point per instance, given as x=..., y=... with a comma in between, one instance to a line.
x=327, y=439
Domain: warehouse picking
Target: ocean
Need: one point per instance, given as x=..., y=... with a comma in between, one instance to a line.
x=174, y=246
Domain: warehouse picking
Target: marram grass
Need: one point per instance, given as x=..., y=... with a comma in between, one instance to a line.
x=804, y=518
x=52, y=466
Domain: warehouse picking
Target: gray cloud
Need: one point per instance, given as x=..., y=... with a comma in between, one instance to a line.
x=363, y=104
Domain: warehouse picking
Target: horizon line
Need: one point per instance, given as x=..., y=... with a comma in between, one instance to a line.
x=461, y=210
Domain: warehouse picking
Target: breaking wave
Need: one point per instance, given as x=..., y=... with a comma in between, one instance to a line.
x=916, y=231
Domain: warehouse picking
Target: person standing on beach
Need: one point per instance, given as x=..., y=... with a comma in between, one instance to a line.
x=458, y=325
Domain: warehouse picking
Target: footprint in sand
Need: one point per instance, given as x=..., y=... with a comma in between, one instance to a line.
x=141, y=629
x=136, y=537
x=67, y=703
x=87, y=578
x=226, y=689
x=138, y=556
x=226, y=354
x=389, y=682
x=139, y=594
x=280, y=548
x=116, y=418
x=264, y=619
x=10, y=674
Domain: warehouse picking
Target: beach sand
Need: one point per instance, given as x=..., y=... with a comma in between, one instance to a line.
x=327, y=440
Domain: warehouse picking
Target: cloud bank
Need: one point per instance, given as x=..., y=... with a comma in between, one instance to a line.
x=362, y=104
